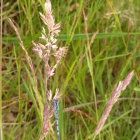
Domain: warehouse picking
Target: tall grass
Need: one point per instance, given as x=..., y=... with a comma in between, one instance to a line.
x=1, y=19
x=114, y=53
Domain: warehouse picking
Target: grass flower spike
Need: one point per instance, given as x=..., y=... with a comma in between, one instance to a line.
x=113, y=99
x=44, y=51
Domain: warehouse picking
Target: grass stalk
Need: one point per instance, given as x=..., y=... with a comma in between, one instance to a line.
x=1, y=23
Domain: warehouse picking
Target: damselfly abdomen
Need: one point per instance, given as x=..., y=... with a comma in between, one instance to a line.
x=57, y=121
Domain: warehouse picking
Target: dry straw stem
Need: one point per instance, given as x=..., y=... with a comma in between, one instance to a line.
x=29, y=62
x=80, y=112
x=89, y=43
x=1, y=23
x=113, y=99
x=89, y=58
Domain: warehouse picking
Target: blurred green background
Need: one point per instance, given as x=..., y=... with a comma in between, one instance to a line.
x=115, y=52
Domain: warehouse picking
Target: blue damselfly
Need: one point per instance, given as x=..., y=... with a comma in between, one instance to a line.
x=57, y=121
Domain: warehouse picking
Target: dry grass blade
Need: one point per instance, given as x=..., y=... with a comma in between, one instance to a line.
x=89, y=58
x=113, y=99
x=81, y=112
x=85, y=24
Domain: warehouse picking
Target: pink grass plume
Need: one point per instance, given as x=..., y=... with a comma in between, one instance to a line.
x=121, y=86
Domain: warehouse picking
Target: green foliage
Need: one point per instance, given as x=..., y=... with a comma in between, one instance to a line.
x=115, y=52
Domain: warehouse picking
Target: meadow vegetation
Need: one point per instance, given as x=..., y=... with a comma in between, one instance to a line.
x=85, y=79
